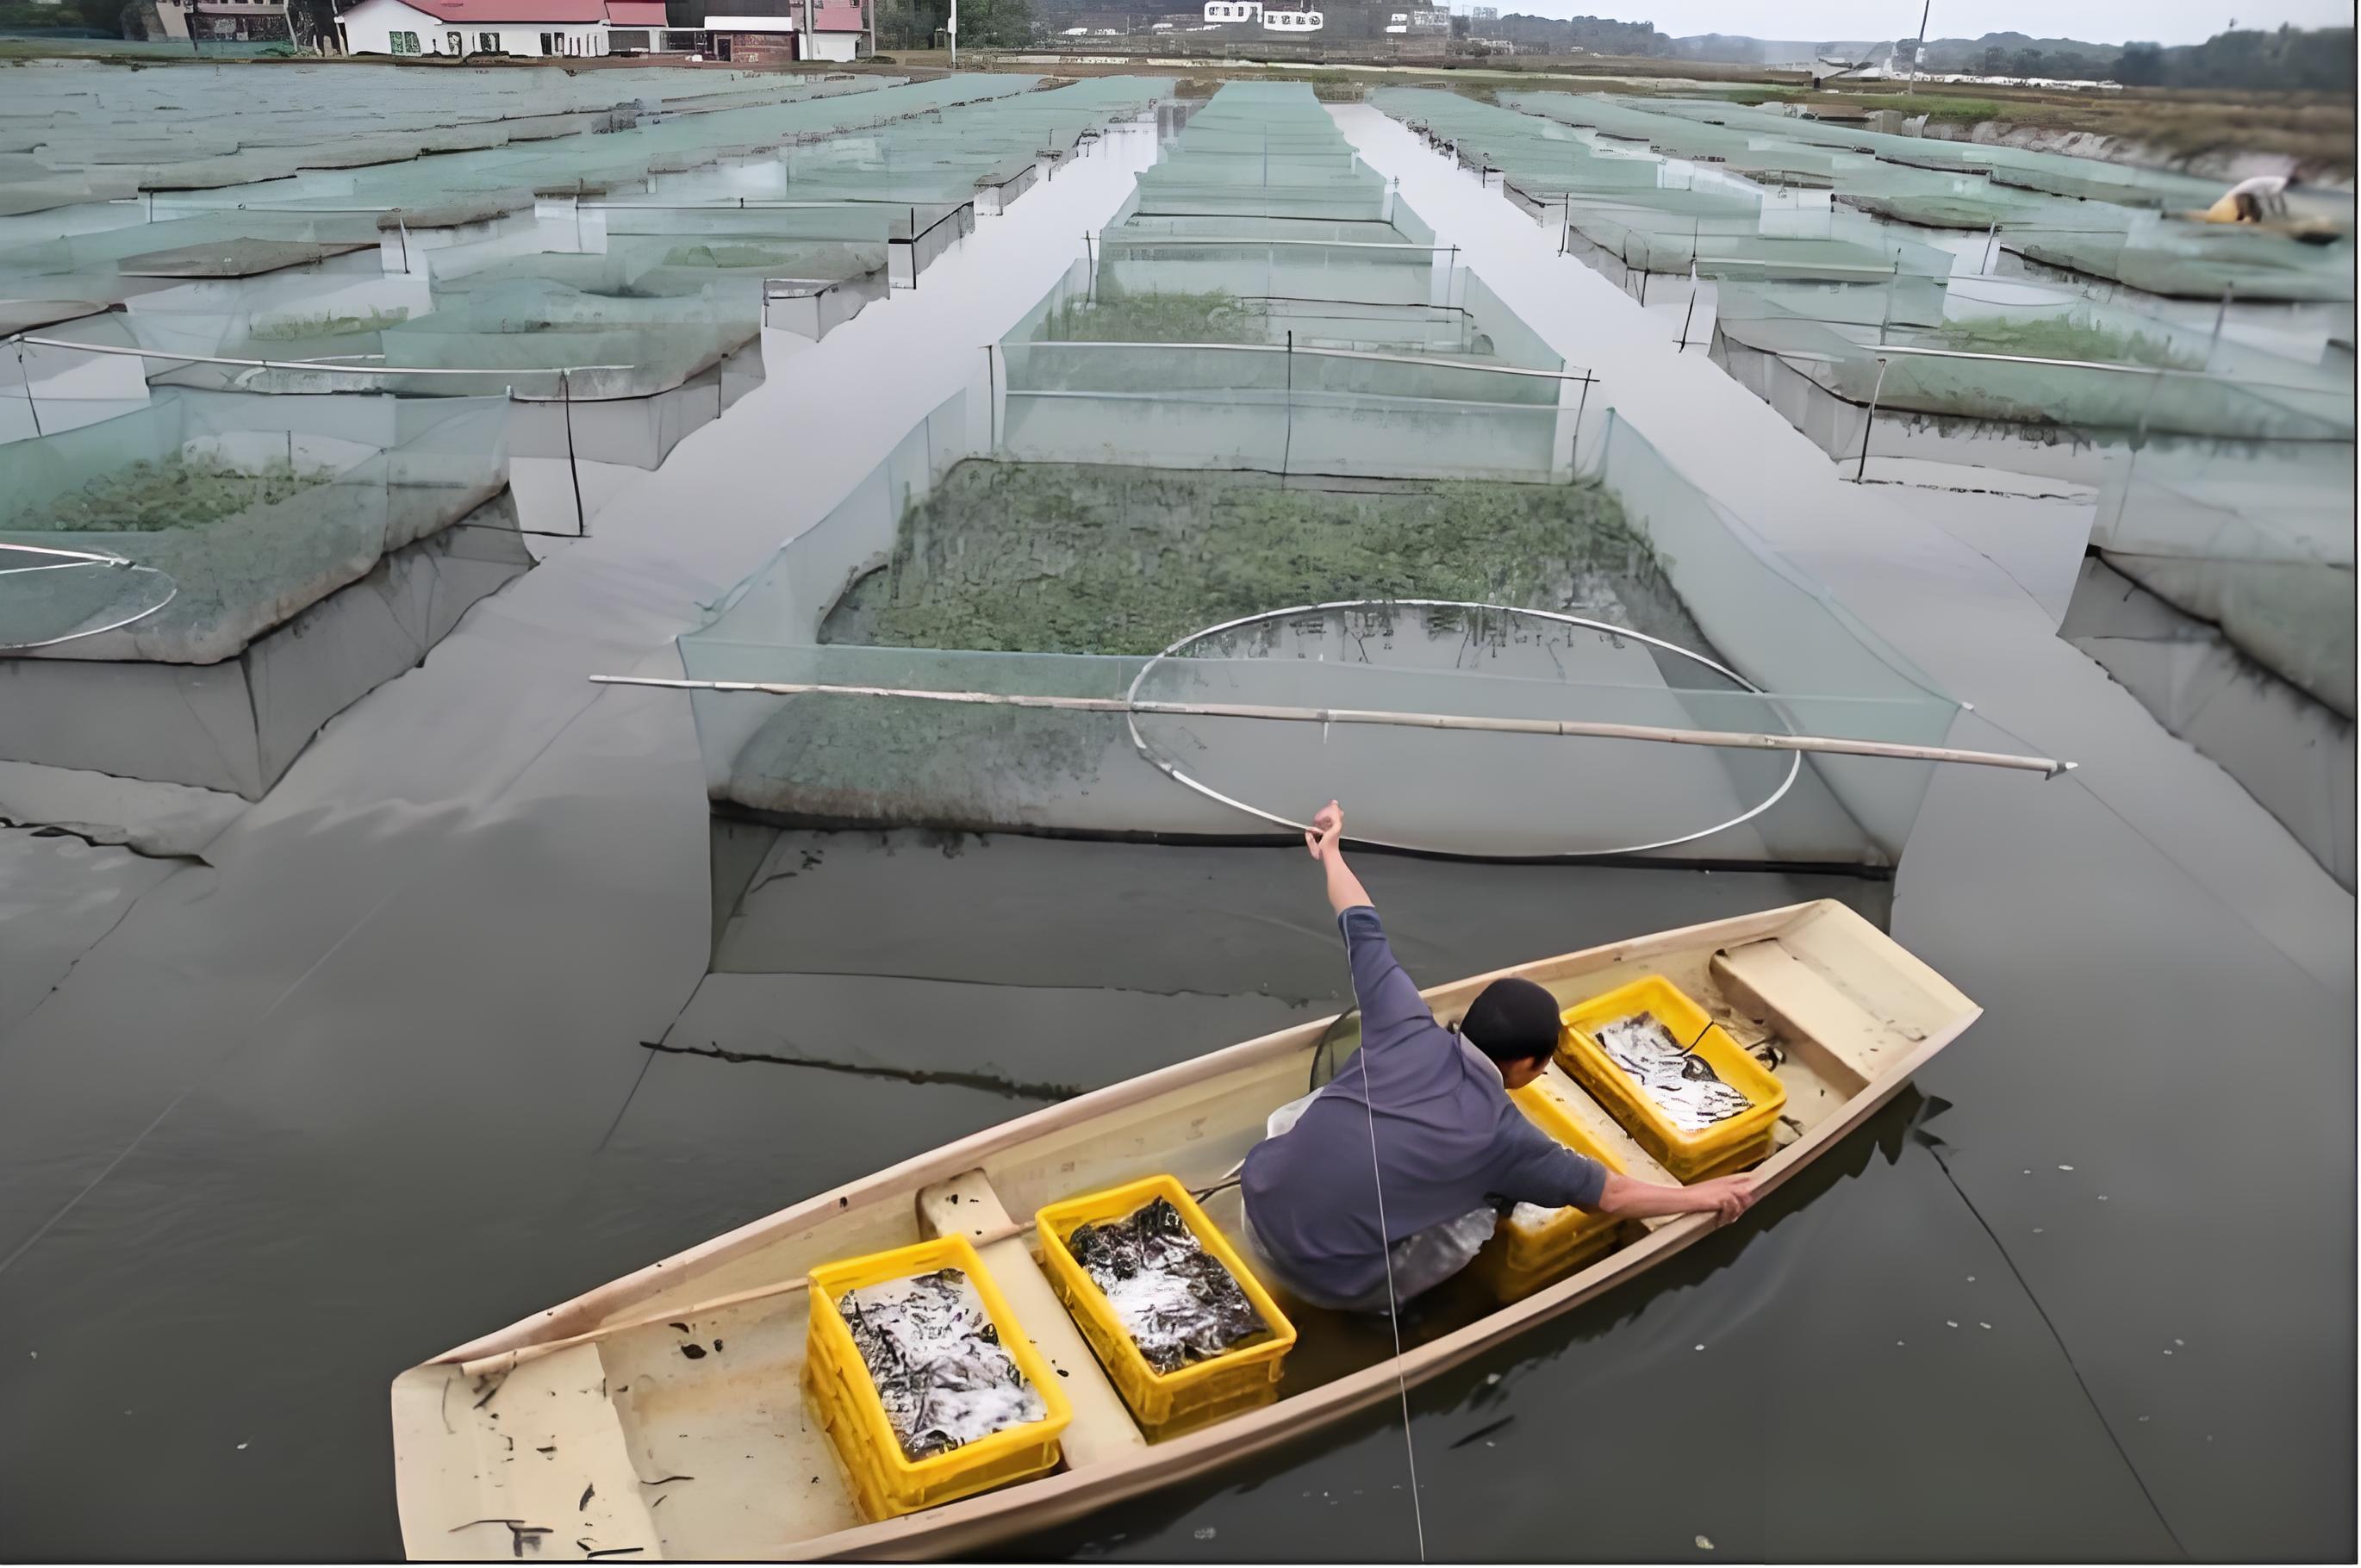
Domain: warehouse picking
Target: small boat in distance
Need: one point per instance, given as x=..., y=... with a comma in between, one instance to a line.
x=663, y=1415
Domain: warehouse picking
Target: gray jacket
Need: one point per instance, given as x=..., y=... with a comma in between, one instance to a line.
x=1447, y=1139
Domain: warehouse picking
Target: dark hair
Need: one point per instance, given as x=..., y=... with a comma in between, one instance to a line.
x=1513, y=1020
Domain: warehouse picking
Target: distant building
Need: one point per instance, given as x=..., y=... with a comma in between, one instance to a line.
x=775, y=31
x=224, y=21
x=1270, y=18
x=532, y=28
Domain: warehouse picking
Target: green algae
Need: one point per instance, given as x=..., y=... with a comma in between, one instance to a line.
x=1068, y=559
x=178, y=491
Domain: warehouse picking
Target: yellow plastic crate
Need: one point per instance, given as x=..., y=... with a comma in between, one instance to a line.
x=1691, y=1156
x=886, y=1481
x=1520, y=1259
x=1157, y=1398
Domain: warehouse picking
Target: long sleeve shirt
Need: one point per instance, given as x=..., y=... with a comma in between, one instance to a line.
x=1447, y=1139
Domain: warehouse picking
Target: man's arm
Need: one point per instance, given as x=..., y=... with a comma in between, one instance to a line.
x=1389, y=999
x=1726, y=1197
x=1327, y=843
x=1541, y=1170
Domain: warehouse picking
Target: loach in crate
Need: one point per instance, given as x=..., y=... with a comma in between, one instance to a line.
x=1176, y=1301
x=936, y=1358
x=1683, y=1084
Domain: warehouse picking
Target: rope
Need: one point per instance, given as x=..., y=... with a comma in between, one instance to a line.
x=1393, y=1308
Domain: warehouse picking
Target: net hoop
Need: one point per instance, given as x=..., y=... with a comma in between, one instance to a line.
x=45, y=558
x=1179, y=775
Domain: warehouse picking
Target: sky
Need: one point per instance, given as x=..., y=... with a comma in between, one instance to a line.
x=2095, y=21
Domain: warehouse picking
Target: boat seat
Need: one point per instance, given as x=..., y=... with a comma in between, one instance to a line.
x=1559, y=1086
x=1844, y=1042
x=966, y=1205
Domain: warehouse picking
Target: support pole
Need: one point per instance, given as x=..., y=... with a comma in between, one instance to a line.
x=2221, y=319
x=573, y=470
x=1861, y=473
x=30, y=406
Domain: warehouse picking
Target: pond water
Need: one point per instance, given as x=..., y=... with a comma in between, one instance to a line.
x=434, y=1037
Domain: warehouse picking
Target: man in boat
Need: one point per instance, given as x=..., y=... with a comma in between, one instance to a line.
x=1389, y=1180
x=2261, y=199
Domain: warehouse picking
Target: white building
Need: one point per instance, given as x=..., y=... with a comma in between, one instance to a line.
x=1271, y=20
x=528, y=28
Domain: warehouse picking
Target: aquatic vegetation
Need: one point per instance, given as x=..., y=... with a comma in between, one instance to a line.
x=2052, y=339
x=1173, y=317
x=1069, y=559
x=722, y=256
x=288, y=329
x=179, y=491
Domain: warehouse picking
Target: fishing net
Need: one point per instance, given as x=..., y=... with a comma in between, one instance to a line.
x=1627, y=598
x=49, y=597
x=2258, y=543
x=254, y=507
x=1281, y=333
x=2005, y=354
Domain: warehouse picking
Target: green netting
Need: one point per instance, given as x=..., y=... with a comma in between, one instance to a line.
x=255, y=506
x=2258, y=543
x=2014, y=356
x=197, y=128
x=2192, y=260
x=1051, y=579
x=1588, y=152
x=1296, y=318
x=654, y=265
x=1590, y=162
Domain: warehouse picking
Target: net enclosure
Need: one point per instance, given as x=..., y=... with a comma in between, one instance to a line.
x=2015, y=374
x=316, y=546
x=1265, y=302
x=1624, y=595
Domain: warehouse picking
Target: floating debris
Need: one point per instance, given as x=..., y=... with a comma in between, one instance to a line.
x=2065, y=1167
x=1683, y=1084
x=1175, y=1299
x=936, y=1358
x=1703, y=1544
x=1206, y=1533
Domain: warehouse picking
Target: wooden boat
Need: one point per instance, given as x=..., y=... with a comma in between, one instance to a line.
x=661, y=1415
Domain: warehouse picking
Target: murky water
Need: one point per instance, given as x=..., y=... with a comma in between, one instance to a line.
x=385, y=1074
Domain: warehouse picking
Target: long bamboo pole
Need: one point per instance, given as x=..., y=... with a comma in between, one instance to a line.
x=505, y=1360
x=1733, y=739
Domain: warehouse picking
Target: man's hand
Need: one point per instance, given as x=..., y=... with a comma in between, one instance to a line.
x=1725, y=1198
x=1326, y=843
x=1729, y=1196
x=1327, y=832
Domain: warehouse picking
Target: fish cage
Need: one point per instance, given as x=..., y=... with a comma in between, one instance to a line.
x=2218, y=591
x=620, y=287
x=1659, y=223
x=1291, y=314
x=330, y=131
x=2015, y=377
x=317, y=546
x=1629, y=595
x=2178, y=258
